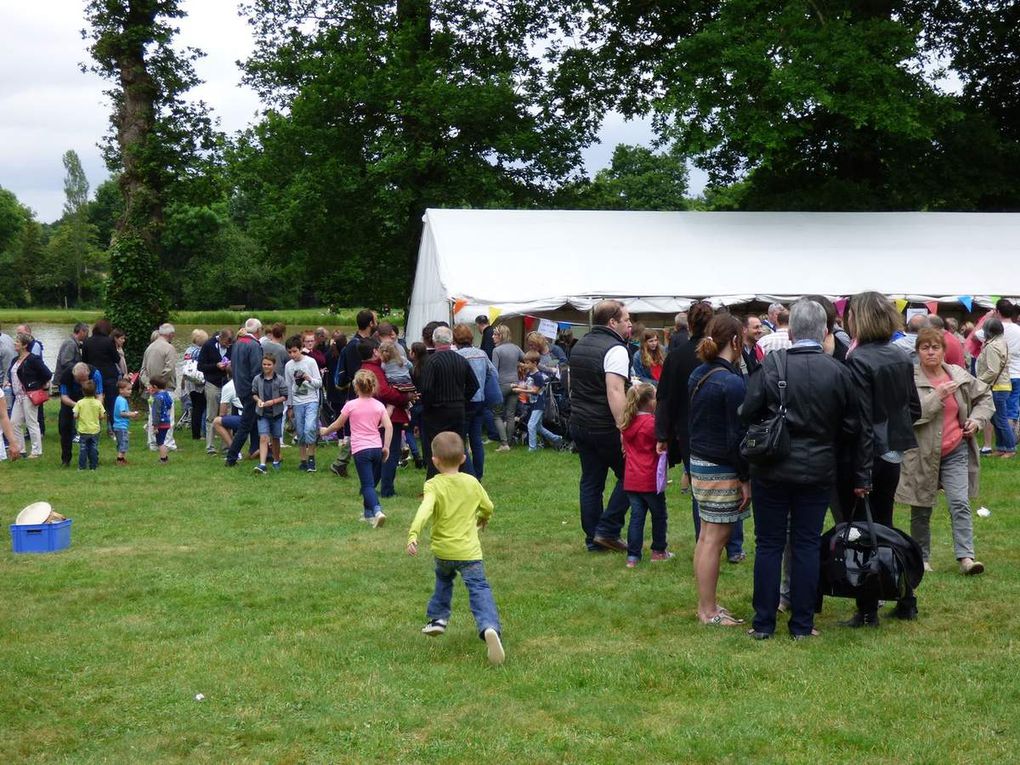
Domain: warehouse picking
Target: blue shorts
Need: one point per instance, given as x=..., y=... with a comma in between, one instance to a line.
x=231, y=421
x=161, y=435
x=271, y=426
x=122, y=441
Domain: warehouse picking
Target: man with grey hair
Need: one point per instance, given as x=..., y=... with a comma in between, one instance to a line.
x=70, y=351
x=908, y=342
x=681, y=331
x=446, y=384
x=773, y=314
x=246, y=363
x=160, y=360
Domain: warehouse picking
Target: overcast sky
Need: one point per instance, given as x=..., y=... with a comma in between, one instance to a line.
x=47, y=105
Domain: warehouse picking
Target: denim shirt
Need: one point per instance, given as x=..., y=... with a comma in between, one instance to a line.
x=715, y=426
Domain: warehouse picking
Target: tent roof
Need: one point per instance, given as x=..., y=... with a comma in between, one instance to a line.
x=533, y=260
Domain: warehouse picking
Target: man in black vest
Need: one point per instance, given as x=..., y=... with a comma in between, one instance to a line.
x=600, y=373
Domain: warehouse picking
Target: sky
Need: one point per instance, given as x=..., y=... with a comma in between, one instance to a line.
x=48, y=106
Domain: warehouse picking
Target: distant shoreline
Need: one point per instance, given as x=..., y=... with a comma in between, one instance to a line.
x=305, y=317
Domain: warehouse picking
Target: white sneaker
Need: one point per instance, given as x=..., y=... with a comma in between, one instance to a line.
x=927, y=567
x=378, y=520
x=434, y=627
x=494, y=645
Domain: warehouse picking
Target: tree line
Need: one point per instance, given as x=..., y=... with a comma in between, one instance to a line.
x=374, y=111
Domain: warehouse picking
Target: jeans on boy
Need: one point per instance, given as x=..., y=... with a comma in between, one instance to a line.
x=306, y=423
x=805, y=507
x=480, y=599
x=368, y=463
x=1005, y=440
x=600, y=452
x=389, y=468
x=535, y=426
x=88, y=449
x=642, y=503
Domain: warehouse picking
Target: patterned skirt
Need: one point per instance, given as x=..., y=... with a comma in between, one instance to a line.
x=717, y=489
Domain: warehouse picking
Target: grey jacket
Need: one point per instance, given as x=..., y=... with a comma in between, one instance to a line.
x=267, y=390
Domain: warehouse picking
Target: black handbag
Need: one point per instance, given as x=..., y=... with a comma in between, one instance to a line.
x=869, y=560
x=769, y=440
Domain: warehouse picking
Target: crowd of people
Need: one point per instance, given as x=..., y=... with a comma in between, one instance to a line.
x=875, y=411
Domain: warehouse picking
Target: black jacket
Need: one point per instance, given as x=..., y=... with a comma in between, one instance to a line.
x=208, y=358
x=883, y=379
x=100, y=351
x=821, y=408
x=671, y=411
x=33, y=373
x=589, y=402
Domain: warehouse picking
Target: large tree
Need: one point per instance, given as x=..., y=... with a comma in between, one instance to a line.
x=812, y=104
x=378, y=110
x=157, y=136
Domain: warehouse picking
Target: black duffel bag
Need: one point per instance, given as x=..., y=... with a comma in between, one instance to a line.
x=867, y=559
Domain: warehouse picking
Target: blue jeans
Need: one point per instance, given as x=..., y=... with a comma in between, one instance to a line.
x=736, y=544
x=475, y=420
x=536, y=426
x=600, y=452
x=88, y=449
x=1013, y=409
x=1005, y=441
x=479, y=593
x=389, y=468
x=804, y=507
x=368, y=463
x=640, y=505
x=306, y=423
x=122, y=441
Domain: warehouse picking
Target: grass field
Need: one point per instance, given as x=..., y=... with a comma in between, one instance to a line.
x=300, y=626
x=299, y=316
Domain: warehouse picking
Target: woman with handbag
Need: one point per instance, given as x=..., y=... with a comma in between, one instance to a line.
x=29, y=378
x=954, y=406
x=719, y=472
x=883, y=378
x=193, y=381
x=808, y=397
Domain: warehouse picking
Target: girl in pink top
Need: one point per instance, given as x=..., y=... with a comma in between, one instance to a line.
x=640, y=475
x=369, y=448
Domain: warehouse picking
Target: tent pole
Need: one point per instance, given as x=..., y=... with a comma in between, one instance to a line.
x=591, y=318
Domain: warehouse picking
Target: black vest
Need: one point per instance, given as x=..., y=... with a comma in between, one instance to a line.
x=589, y=405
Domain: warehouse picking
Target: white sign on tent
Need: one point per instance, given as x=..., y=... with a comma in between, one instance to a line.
x=547, y=328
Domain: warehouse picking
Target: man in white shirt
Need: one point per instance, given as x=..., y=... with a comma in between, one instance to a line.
x=779, y=339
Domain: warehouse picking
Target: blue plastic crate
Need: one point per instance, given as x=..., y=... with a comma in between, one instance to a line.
x=42, y=538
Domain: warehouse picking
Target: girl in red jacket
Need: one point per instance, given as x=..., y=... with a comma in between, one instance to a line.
x=641, y=463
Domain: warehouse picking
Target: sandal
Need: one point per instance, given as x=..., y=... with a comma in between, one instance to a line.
x=722, y=619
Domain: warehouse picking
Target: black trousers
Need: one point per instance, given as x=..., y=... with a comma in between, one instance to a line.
x=197, y=413
x=436, y=420
x=65, y=425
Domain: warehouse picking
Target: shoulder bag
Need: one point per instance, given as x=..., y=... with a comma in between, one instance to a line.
x=769, y=440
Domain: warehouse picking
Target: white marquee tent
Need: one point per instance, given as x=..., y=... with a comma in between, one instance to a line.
x=536, y=262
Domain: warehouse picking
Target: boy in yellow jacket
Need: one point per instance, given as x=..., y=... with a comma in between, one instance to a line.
x=458, y=507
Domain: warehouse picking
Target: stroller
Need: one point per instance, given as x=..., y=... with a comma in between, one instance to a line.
x=556, y=418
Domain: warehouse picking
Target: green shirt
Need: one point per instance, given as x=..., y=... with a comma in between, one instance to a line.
x=88, y=412
x=455, y=502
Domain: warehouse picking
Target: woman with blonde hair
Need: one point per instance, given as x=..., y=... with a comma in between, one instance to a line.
x=193, y=382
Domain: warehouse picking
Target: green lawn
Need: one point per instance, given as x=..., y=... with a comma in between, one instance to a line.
x=300, y=626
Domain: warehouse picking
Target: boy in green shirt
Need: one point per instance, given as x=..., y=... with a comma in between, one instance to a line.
x=88, y=414
x=458, y=506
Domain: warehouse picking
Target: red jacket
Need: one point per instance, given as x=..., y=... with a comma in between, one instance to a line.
x=954, y=350
x=387, y=394
x=640, y=457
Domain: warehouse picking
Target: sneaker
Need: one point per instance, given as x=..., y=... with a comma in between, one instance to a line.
x=503, y=448
x=276, y=465
x=211, y=450
x=434, y=627
x=378, y=519
x=661, y=556
x=260, y=469
x=927, y=568
x=340, y=468
x=402, y=462
x=738, y=558
x=303, y=466
x=632, y=562
x=986, y=451
x=419, y=463
x=610, y=544
x=311, y=465
x=495, y=646
x=971, y=567
x=76, y=440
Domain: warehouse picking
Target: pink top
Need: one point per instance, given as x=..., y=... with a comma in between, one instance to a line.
x=952, y=433
x=640, y=459
x=365, y=418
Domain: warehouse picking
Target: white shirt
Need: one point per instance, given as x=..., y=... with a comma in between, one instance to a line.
x=777, y=341
x=1012, y=334
x=229, y=396
x=617, y=361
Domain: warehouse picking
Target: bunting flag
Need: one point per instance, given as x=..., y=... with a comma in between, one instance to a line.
x=968, y=302
x=563, y=326
x=901, y=304
x=933, y=307
x=494, y=313
x=458, y=304
x=841, y=305
x=995, y=298
x=529, y=322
